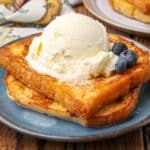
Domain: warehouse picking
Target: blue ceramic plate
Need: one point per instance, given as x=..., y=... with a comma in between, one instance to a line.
x=40, y=125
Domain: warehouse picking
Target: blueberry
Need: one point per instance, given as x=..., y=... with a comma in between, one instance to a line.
x=118, y=48
x=121, y=65
x=130, y=56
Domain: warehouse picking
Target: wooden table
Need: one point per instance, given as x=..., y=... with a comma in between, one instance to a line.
x=137, y=140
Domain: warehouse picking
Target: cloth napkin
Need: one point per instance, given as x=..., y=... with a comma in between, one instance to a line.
x=29, y=11
x=8, y=34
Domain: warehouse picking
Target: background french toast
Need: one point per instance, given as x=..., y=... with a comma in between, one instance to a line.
x=85, y=98
x=33, y=100
x=143, y=5
x=138, y=9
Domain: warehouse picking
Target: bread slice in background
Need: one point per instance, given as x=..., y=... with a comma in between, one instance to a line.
x=133, y=8
x=142, y=5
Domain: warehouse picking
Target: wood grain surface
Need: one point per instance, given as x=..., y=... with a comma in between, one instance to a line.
x=136, y=140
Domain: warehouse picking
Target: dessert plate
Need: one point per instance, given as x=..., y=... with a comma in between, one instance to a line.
x=46, y=127
x=102, y=9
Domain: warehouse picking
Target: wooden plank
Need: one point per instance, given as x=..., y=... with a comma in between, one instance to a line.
x=91, y=146
x=41, y=144
x=7, y=138
x=131, y=141
x=25, y=142
x=70, y=146
x=146, y=134
x=54, y=146
x=80, y=146
x=11, y=140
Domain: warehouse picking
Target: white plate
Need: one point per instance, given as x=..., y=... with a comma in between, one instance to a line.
x=102, y=9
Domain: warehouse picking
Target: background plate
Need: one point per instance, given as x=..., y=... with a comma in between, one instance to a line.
x=103, y=10
x=40, y=125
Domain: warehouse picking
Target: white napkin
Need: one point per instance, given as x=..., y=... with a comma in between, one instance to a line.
x=8, y=34
x=31, y=11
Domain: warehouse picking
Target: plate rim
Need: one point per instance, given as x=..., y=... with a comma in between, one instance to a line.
x=60, y=138
x=113, y=23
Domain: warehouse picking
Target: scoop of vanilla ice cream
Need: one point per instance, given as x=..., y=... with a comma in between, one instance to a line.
x=75, y=34
x=73, y=47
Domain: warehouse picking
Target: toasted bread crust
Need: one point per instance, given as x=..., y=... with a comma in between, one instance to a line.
x=54, y=7
x=143, y=5
x=33, y=100
x=136, y=9
x=87, y=98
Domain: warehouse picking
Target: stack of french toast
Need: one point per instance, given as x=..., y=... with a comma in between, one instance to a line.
x=138, y=9
x=96, y=102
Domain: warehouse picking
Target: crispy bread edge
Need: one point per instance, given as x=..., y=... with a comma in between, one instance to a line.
x=31, y=99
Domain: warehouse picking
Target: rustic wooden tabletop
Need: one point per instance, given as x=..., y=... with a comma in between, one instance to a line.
x=136, y=140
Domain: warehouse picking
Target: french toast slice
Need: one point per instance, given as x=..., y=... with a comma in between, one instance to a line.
x=131, y=10
x=143, y=5
x=85, y=98
x=31, y=99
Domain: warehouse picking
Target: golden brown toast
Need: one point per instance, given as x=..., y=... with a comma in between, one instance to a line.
x=6, y=2
x=131, y=10
x=33, y=100
x=143, y=5
x=83, y=99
